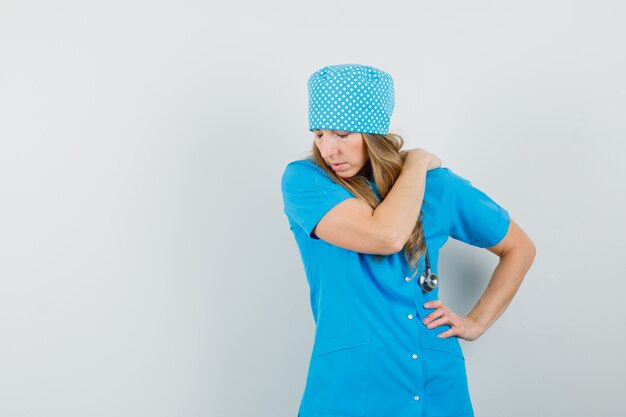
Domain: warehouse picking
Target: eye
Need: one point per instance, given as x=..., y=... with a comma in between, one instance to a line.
x=341, y=136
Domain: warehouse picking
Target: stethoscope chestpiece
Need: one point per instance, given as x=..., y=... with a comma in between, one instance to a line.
x=428, y=280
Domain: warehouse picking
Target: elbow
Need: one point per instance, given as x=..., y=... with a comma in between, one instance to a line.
x=528, y=255
x=527, y=247
x=532, y=251
x=524, y=251
x=395, y=243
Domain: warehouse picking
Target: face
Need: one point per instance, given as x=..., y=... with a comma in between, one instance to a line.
x=345, y=152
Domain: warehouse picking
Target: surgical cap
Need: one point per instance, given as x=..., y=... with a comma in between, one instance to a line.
x=350, y=97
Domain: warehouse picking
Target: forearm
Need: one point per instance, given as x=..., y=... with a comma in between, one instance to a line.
x=503, y=285
x=399, y=210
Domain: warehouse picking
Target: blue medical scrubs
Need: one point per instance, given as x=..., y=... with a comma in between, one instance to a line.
x=372, y=355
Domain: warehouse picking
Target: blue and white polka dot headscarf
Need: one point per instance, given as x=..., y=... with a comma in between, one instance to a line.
x=350, y=97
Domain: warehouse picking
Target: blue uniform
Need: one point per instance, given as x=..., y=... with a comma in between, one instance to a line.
x=372, y=355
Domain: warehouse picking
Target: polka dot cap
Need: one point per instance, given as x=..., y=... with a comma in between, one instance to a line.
x=350, y=97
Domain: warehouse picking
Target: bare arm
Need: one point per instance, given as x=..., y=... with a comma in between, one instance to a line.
x=354, y=225
x=517, y=253
x=399, y=211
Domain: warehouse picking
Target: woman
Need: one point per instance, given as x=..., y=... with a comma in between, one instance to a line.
x=368, y=218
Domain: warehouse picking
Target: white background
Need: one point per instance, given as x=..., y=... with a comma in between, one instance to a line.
x=147, y=268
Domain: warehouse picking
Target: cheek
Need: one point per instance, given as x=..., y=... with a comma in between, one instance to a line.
x=360, y=149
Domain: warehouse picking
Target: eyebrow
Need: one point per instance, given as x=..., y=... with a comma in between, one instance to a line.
x=336, y=131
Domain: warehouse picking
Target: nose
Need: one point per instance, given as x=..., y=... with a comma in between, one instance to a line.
x=328, y=145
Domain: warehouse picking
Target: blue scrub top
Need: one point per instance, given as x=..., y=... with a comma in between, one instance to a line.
x=372, y=355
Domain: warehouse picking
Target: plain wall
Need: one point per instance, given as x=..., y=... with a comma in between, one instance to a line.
x=147, y=267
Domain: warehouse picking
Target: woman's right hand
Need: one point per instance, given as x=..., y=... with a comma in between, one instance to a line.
x=420, y=156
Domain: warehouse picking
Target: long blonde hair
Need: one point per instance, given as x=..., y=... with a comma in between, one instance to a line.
x=384, y=166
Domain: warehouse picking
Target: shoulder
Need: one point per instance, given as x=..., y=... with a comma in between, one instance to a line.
x=442, y=172
x=437, y=172
x=437, y=190
x=439, y=178
x=462, y=184
x=452, y=179
x=301, y=165
x=303, y=173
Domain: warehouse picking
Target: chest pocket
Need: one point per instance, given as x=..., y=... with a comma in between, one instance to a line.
x=337, y=380
x=446, y=389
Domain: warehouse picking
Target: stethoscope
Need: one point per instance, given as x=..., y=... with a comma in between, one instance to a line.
x=428, y=280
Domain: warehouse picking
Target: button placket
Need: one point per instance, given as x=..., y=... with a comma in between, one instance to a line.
x=410, y=316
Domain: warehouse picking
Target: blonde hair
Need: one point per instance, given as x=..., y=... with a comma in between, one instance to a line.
x=384, y=166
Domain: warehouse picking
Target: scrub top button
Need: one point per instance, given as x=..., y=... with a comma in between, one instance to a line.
x=417, y=397
x=414, y=356
x=410, y=316
x=407, y=278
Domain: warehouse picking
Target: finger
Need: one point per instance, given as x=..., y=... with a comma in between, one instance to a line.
x=435, y=314
x=438, y=322
x=433, y=304
x=447, y=333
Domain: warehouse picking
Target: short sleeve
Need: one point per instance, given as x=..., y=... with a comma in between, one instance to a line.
x=476, y=218
x=309, y=193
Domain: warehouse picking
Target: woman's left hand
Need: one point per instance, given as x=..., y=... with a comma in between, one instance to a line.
x=466, y=328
